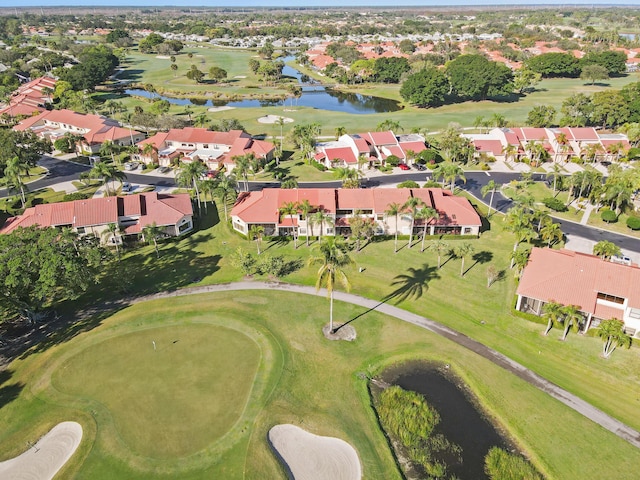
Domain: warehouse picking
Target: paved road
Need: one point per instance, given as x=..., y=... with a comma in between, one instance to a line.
x=572, y=401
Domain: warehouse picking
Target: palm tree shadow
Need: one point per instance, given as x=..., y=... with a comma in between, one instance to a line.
x=481, y=257
x=413, y=284
x=451, y=257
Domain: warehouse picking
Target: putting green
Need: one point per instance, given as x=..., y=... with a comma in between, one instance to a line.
x=171, y=401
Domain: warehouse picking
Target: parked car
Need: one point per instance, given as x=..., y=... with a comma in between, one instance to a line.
x=403, y=166
x=126, y=187
x=164, y=169
x=418, y=166
x=130, y=166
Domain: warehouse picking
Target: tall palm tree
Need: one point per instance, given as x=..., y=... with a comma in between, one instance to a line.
x=13, y=172
x=290, y=209
x=225, y=191
x=440, y=247
x=518, y=222
x=552, y=311
x=113, y=231
x=256, y=232
x=320, y=217
x=151, y=233
x=208, y=187
x=463, y=251
x=190, y=174
x=606, y=249
x=106, y=173
x=350, y=177
x=411, y=206
x=491, y=186
x=340, y=131
x=551, y=233
x=149, y=150
x=426, y=214
x=612, y=332
x=305, y=209
x=555, y=174
x=333, y=259
x=108, y=148
x=395, y=209
x=241, y=169
x=452, y=171
x=571, y=318
x=509, y=151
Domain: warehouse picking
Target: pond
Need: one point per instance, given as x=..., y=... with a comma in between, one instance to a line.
x=461, y=423
x=314, y=96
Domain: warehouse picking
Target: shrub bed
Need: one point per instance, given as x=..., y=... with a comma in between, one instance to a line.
x=633, y=223
x=555, y=204
x=609, y=216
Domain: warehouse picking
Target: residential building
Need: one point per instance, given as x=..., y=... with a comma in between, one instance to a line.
x=172, y=213
x=30, y=98
x=263, y=208
x=91, y=130
x=601, y=289
x=215, y=149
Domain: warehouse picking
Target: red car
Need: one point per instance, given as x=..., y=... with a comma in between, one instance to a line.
x=403, y=166
x=212, y=173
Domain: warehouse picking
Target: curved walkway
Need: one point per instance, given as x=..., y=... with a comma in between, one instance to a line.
x=572, y=401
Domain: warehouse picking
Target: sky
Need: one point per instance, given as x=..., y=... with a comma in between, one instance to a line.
x=304, y=3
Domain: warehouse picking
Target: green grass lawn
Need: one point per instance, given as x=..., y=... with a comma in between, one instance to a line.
x=302, y=379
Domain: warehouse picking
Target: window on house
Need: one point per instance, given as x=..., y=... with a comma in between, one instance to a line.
x=329, y=231
x=467, y=230
x=610, y=298
x=81, y=230
x=380, y=217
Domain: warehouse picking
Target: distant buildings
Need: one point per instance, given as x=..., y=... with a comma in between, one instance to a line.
x=456, y=215
x=215, y=149
x=90, y=130
x=601, y=289
x=30, y=98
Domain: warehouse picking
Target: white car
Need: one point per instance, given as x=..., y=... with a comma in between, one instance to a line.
x=126, y=187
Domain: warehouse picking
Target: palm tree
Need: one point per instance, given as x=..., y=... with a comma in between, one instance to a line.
x=463, y=251
x=225, y=191
x=518, y=222
x=362, y=161
x=440, y=247
x=149, y=150
x=320, y=217
x=411, y=206
x=242, y=167
x=519, y=260
x=280, y=121
x=509, y=151
x=439, y=172
x=491, y=186
x=333, y=259
x=151, y=233
x=340, y=131
x=552, y=311
x=612, y=332
x=555, y=174
x=13, y=172
x=106, y=173
x=551, y=233
x=290, y=209
x=571, y=319
x=113, y=231
x=256, y=233
x=305, y=209
x=395, y=209
x=108, y=148
x=426, y=214
x=606, y=249
x=208, y=187
x=350, y=177
x=190, y=174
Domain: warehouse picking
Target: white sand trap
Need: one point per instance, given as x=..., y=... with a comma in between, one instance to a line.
x=312, y=457
x=240, y=76
x=163, y=57
x=219, y=109
x=274, y=119
x=43, y=460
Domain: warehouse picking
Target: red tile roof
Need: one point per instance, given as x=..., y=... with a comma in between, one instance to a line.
x=341, y=153
x=381, y=138
x=491, y=146
x=415, y=147
x=573, y=278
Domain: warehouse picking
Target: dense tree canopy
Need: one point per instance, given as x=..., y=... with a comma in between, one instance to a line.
x=96, y=64
x=39, y=267
x=613, y=61
x=25, y=145
x=426, y=88
x=390, y=70
x=476, y=78
x=554, y=65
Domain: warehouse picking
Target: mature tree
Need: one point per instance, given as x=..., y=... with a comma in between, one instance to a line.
x=361, y=228
x=554, y=65
x=525, y=79
x=610, y=109
x=290, y=209
x=613, y=62
x=190, y=174
x=594, y=72
x=394, y=210
x=106, y=173
x=518, y=221
x=390, y=69
x=321, y=218
x=333, y=257
x=462, y=251
x=13, y=173
x=96, y=63
x=217, y=74
x=571, y=318
x=576, y=111
x=476, y=78
x=606, y=249
x=27, y=146
x=195, y=74
x=440, y=247
x=427, y=88
x=541, y=116
x=340, y=131
x=552, y=311
x=612, y=333
x=491, y=186
x=350, y=176
x=451, y=172
x=226, y=191
x=40, y=267
x=411, y=207
x=109, y=148
x=242, y=167
x=551, y=233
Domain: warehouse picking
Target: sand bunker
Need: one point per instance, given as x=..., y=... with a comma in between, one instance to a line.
x=43, y=460
x=163, y=57
x=274, y=119
x=312, y=457
x=219, y=109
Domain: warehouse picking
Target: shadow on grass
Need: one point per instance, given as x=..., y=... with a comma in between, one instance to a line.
x=8, y=392
x=481, y=257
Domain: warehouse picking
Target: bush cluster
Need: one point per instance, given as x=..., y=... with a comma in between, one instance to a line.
x=633, y=223
x=609, y=216
x=554, y=204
